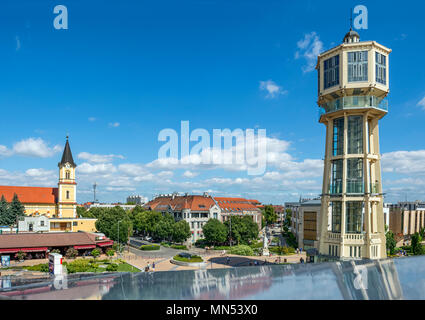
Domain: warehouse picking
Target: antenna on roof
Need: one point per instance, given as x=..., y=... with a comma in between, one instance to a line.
x=94, y=192
x=351, y=18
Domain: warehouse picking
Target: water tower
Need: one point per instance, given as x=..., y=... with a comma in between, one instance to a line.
x=353, y=85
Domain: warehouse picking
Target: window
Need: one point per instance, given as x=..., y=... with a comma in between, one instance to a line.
x=336, y=216
x=67, y=194
x=67, y=175
x=355, y=135
x=357, y=66
x=354, y=217
x=42, y=223
x=381, y=68
x=355, y=175
x=338, y=137
x=75, y=223
x=336, y=185
x=331, y=72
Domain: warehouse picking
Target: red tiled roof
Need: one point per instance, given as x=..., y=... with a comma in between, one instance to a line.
x=30, y=194
x=33, y=240
x=178, y=203
x=235, y=204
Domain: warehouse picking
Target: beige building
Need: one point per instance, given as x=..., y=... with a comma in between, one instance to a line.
x=407, y=220
x=353, y=85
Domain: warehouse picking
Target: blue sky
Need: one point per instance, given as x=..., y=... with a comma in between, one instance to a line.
x=123, y=71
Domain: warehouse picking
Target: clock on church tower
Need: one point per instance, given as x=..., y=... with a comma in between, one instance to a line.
x=67, y=187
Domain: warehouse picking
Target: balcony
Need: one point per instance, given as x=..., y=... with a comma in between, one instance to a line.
x=353, y=102
x=334, y=236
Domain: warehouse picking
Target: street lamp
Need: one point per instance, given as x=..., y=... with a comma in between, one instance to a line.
x=119, y=244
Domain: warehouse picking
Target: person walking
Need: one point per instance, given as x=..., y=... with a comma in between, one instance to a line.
x=153, y=266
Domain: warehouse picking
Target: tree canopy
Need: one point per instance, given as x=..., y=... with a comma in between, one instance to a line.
x=215, y=232
x=11, y=212
x=270, y=216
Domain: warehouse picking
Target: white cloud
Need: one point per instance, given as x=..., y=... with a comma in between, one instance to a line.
x=405, y=162
x=99, y=158
x=5, y=152
x=422, y=103
x=309, y=48
x=114, y=124
x=101, y=168
x=92, y=119
x=273, y=90
x=189, y=174
x=32, y=147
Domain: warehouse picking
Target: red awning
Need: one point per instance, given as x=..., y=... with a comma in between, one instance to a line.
x=105, y=244
x=41, y=249
x=89, y=246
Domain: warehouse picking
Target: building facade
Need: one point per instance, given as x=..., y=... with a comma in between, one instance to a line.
x=353, y=82
x=58, y=205
x=407, y=218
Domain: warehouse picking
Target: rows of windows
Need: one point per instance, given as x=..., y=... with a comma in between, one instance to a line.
x=357, y=66
x=338, y=137
x=355, y=251
x=333, y=251
x=357, y=62
x=381, y=68
x=354, y=135
x=331, y=72
x=354, y=217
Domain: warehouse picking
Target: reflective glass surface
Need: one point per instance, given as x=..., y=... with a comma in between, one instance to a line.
x=402, y=278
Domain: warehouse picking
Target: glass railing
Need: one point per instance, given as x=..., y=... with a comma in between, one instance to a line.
x=354, y=102
x=354, y=187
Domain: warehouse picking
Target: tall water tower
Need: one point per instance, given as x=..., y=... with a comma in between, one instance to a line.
x=353, y=85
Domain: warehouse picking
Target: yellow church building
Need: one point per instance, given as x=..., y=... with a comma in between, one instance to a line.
x=57, y=205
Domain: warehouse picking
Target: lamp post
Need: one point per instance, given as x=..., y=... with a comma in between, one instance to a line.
x=119, y=244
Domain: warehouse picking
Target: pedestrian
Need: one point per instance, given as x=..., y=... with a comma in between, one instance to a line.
x=148, y=266
x=301, y=260
x=153, y=266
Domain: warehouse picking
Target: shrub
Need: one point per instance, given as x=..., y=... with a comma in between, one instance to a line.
x=242, y=250
x=44, y=267
x=179, y=247
x=110, y=252
x=20, y=255
x=256, y=245
x=55, y=251
x=71, y=253
x=185, y=259
x=79, y=265
x=95, y=253
x=149, y=247
x=112, y=267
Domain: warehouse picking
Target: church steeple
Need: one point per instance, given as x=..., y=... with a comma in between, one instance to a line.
x=67, y=156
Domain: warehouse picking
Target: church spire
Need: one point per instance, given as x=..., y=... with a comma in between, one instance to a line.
x=67, y=155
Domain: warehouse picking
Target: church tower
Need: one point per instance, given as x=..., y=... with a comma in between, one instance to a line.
x=353, y=82
x=67, y=187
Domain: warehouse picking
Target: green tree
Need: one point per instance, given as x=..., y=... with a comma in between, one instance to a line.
x=214, y=232
x=417, y=247
x=110, y=220
x=269, y=214
x=164, y=228
x=16, y=210
x=422, y=232
x=84, y=213
x=181, y=231
x=242, y=229
x=4, y=211
x=390, y=242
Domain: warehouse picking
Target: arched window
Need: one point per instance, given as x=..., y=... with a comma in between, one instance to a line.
x=67, y=175
x=67, y=194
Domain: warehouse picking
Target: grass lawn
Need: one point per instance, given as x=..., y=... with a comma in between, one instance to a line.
x=125, y=267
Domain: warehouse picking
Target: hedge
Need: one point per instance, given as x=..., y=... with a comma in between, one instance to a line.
x=191, y=259
x=179, y=247
x=149, y=247
x=242, y=250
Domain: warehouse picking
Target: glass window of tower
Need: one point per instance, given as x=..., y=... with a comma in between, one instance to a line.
x=354, y=217
x=357, y=66
x=331, y=72
x=355, y=135
x=338, y=137
x=336, y=186
x=336, y=216
x=355, y=176
x=381, y=68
